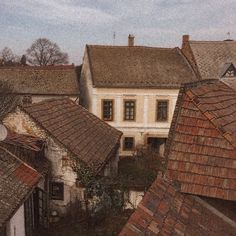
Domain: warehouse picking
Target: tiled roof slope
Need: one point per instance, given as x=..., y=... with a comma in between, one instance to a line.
x=211, y=56
x=166, y=211
x=82, y=133
x=17, y=180
x=138, y=67
x=47, y=80
x=201, y=148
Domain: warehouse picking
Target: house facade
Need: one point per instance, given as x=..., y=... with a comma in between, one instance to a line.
x=36, y=83
x=134, y=89
x=75, y=139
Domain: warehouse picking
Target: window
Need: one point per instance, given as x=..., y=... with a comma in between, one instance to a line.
x=129, y=110
x=128, y=143
x=162, y=110
x=57, y=191
x=107, y=110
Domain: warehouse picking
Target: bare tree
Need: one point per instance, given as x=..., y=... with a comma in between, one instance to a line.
x=8, y=99
x=8, y=57
x=44, y=52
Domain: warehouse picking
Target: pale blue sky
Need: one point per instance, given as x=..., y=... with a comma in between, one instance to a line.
x=74, y=23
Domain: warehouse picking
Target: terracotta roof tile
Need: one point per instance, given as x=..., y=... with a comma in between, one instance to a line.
x=138, y=67
x=171, y=212
x=17, y=180
x=201, y=149
x=82, y=133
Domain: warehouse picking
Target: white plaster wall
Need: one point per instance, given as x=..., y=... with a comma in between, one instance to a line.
x=16, y=225
x=133, y=198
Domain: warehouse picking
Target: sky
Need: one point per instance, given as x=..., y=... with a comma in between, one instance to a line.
x=74, y=23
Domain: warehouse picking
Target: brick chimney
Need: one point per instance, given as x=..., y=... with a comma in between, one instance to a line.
x=185, y=40
x=130, y=40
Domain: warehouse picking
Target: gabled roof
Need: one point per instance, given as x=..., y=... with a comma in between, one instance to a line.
x=228, y=67
x=211, y=56
x=86, y=136
x=138, y=67
x=201, y=148
x=17, y=181
x=45, y=80
x=164, y=210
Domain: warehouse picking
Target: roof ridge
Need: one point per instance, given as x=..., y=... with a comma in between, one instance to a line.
x=122, y=46
x=211, y=41
x=211, y=117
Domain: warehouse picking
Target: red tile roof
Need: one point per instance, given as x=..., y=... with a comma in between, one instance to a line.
x=17, y=180
x=164, y=210
x=201, y=148
x=87, y=137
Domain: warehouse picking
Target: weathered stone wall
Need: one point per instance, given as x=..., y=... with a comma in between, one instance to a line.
x=20, y=122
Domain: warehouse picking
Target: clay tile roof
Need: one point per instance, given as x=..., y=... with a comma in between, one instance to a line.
x=82, y=133
x=138, y=67
x=164, y=210
x=45, y=80
x=211, y=56
x=201, y=148
x=17, y=181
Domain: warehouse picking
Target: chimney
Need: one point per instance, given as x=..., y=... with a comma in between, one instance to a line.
x=130, y=40
x=185, y=40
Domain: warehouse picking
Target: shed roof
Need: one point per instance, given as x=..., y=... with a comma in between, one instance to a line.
x=86, y=136
x=45, y=80
x=17, y=181
x=201, y=148
x=164, y=210
x=138, y=67
x=211, y=56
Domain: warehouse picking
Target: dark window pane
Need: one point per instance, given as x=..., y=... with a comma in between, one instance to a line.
x=107, y=110
x=162, y=110
x=57, y=191
x=129, y=110
x=128, y=143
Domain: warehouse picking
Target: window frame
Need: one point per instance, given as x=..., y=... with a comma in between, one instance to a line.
x=112, y=109
x=124, y=109
x=62, y=189
x=124, y=146
x=167, y=111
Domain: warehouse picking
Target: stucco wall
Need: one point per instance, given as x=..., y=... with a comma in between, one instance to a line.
x=16, y=225
x=145, y=124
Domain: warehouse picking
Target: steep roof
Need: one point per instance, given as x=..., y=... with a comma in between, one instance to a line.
x=164, y=210
x=211, y=56
x=17, y=181
x=201, y=148
x=138, y=67
x=82, y=133
x=45, y=80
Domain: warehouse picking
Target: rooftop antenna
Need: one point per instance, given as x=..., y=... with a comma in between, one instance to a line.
x=228, y=33
x=114, y=38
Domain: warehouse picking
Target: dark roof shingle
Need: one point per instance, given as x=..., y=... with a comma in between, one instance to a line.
x=164, y=210
x=138, y=67
x=47, y=80
x=81, y=132
x=201, y=149
x=211, y=56
x=17, y=180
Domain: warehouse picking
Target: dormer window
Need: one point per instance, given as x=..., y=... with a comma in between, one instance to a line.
x=228, y=70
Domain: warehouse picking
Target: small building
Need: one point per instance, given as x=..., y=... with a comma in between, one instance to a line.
x=75, y=140
x=211, y=59
x=19, y=194
x=36, y=83
x=134, y=89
